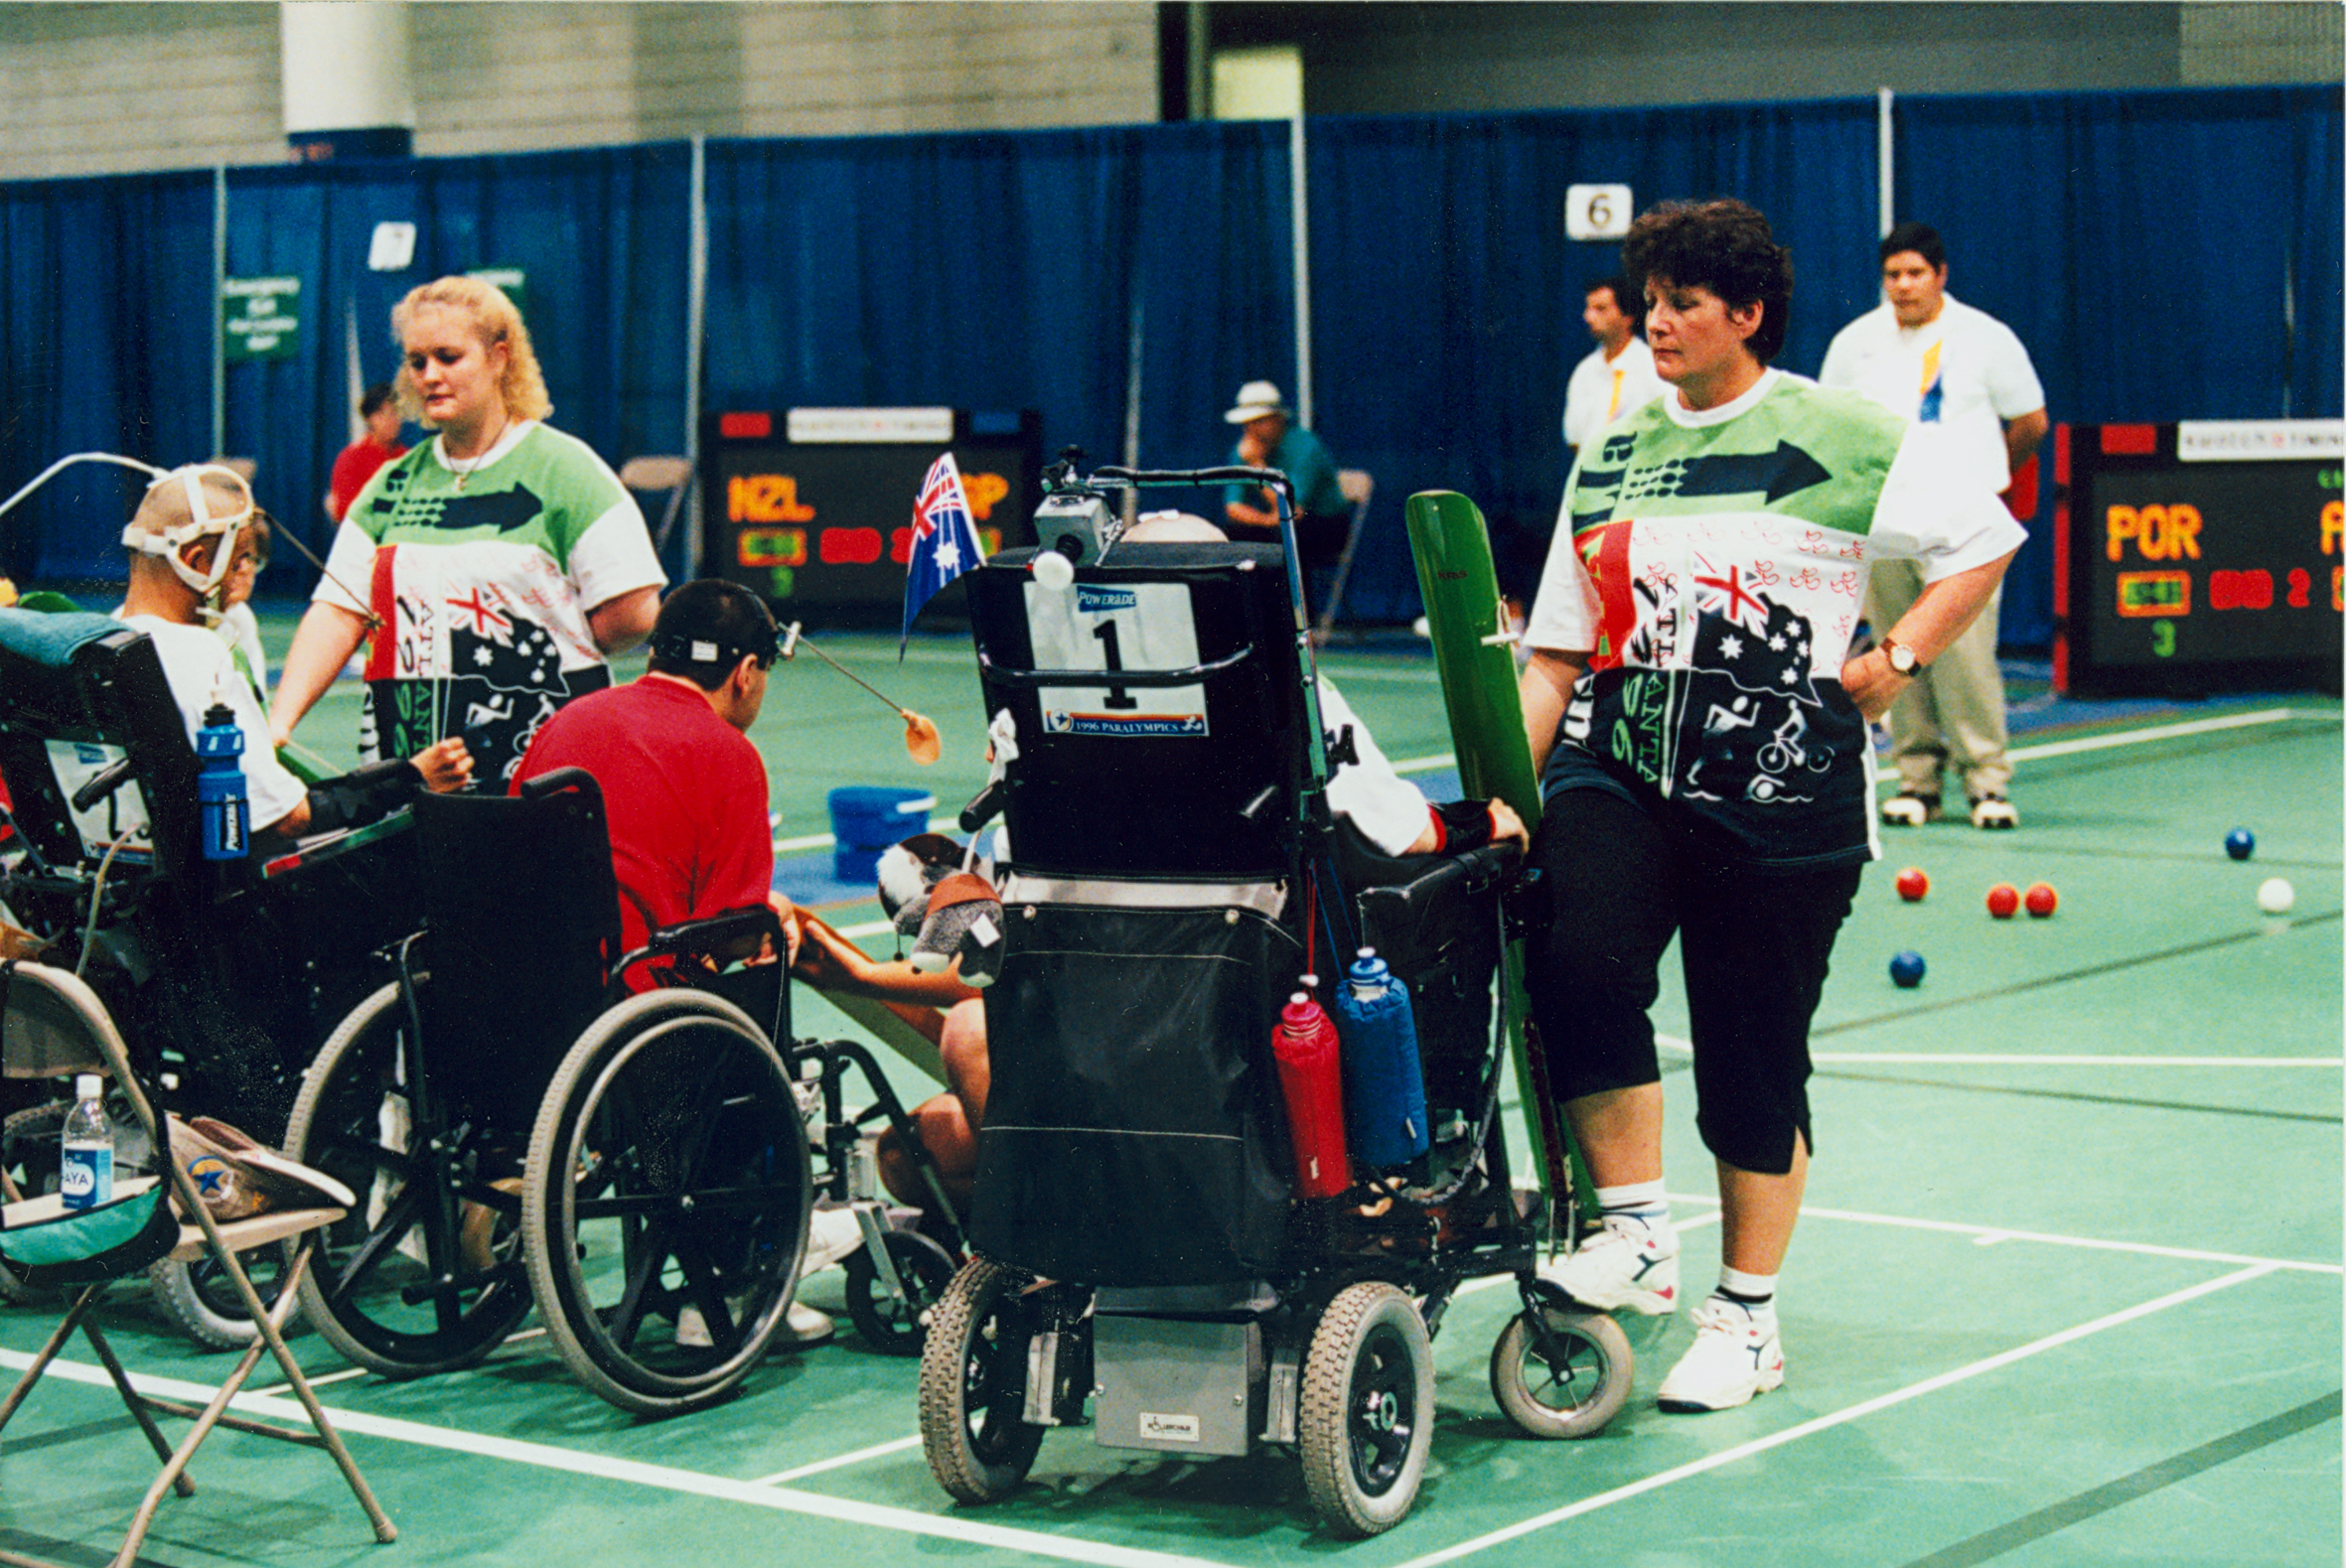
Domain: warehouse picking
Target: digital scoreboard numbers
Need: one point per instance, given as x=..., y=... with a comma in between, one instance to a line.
x=2199, y=557
x=813, y=508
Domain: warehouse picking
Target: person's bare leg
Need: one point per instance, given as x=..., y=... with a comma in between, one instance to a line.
x=1619, y=1132
x=1758, y=1211
x=1632, y=1262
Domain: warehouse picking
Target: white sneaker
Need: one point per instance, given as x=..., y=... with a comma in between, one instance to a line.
x=1993, y=812
x=832, y=1235
x=1629, y=1263
x=1732, y=1358
x=1910, y=808
x=802, y=1326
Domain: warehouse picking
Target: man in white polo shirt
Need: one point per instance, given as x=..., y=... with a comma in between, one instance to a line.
x=1618, y=374
x=1927, y=355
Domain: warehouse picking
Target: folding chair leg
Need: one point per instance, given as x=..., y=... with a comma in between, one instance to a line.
x=272, y=1328
x=57, y=1342
x=183, y=1484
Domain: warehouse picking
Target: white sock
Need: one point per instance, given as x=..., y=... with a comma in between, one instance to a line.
x=1645, y=1201
x=1754, y=1293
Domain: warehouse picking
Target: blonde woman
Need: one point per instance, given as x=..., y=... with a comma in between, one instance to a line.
x=500, y=561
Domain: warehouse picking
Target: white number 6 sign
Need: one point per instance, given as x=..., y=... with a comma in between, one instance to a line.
x=1597, y=212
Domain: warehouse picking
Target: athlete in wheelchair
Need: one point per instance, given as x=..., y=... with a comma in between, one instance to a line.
x=1166, y=1243
x=566, y=1099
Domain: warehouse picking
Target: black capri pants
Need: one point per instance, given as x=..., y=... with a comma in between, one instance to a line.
x=1622, y=879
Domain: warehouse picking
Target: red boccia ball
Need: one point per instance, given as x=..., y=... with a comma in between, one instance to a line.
x=2003, y=901
x=1913, y=884
x=2041, y=898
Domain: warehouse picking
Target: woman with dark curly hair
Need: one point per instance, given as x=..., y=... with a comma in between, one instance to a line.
x=500, y=561
x=1701, y=731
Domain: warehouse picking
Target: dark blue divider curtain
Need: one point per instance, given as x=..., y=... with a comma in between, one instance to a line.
x=601, y=237
x=106, y=344
x=2145, y=246
x=1447, y=298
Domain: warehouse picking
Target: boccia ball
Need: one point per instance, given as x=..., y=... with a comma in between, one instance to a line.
x=1907, y=969
x=2275, y=896
x=2041, y=898
x=1913, y=884
x=2003, y=901
x=2240, y=843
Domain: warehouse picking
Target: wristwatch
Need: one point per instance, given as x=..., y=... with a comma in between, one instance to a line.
x=1902, y=659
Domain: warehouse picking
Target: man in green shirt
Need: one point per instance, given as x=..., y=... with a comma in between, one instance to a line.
x=1268, y=438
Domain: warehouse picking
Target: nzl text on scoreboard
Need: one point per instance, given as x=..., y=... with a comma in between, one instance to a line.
x=2199, y=557
x=813, y=508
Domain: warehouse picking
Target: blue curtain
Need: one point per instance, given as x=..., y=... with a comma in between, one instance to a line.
x=2153, y=281
x=1446, y=301
x=106, y=344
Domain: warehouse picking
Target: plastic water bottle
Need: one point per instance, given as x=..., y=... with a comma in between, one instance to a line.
x=219, y=786
x=1305, y=1046
x=87, y=1170
x=1383, y=1088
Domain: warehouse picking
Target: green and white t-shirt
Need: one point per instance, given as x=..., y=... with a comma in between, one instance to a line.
x=483, y=579
x=1714, y=561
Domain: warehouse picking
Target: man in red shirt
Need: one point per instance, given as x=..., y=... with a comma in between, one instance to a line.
x=379, y=410
x=683, y=790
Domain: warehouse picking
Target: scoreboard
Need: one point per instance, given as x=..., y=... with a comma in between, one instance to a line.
x=813, y=508
x=2198, y=557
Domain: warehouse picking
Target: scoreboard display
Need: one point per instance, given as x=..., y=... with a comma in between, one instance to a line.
x=813, y=508
x=2198, y=557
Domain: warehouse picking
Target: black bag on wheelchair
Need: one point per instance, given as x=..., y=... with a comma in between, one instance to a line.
x=1133, y=1135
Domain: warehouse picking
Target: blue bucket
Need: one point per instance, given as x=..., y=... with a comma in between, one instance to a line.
x=867, y=819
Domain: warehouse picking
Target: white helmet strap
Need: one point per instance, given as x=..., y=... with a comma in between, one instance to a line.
x=170, y=541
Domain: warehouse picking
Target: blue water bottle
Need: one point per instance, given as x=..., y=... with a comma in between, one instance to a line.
x=219, y=786
x=1384, y=1089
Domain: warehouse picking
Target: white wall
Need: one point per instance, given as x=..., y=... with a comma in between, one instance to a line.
x=106, y=89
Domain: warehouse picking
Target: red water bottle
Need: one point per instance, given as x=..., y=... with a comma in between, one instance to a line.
x=1311, y=1077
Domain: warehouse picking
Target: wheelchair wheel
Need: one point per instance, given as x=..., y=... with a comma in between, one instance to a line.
x=898, y=1324
x=28, y=1142
x=1365, y=1418
x=407, y=1285
x=666, y=1202
x=1567, y=1375
x=198, y=1299
x=973, y=1422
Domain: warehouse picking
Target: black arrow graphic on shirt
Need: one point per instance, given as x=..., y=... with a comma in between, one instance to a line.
x=1775, y=475
x=505, y=511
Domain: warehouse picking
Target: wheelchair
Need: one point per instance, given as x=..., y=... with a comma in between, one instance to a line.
x=522, y=1128
x=222, y=976
x=1140, y=1261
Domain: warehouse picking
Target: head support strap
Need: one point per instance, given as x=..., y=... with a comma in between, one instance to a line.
x=168, y=542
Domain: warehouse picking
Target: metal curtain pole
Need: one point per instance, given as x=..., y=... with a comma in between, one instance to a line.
x=1300, y=205
x=697, y=305
x=1886, y=141
x=220, y=283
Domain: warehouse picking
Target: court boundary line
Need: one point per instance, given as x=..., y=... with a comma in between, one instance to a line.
x=1842, y=1417
x=1681, y=1045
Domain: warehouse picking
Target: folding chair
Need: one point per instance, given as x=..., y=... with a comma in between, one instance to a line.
x=671, y=473
x=1358, y=486
x=54, y=1024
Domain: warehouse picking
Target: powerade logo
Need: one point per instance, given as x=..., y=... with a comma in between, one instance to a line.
x=1102, y=600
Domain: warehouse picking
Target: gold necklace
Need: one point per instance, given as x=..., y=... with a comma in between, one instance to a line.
x=473, y=466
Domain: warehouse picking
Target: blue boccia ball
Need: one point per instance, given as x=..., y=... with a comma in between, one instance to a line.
x=2240, y=843
x=1907, y=969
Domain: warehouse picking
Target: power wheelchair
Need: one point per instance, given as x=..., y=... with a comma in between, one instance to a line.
x=1141, y=1260
x=522, y=1128
x=222, y=976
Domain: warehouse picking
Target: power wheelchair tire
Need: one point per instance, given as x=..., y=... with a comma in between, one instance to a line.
x=351, y=1120
x=29, y=1144
x=1364, y=1422
x=897, y=1325
x=973, y=1423
x=1566, y=1383
x=666, y=1202
x=198, y=1299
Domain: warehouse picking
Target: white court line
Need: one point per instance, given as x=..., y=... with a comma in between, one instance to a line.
x=2089, y=1243
x=342, y=1377
x=665, y=1478
x=1824, y=1423
x=876, y=1451
x=1990, y=1058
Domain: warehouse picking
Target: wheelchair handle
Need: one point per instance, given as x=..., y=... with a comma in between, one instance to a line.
x=1188, y=677
x=105, y=782
x=985, y=806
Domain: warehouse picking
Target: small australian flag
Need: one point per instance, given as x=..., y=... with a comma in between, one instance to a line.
x=945, y=540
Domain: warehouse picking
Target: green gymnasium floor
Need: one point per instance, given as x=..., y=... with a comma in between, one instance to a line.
x=2067, y=1288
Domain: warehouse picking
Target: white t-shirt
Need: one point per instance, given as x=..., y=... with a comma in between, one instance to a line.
x=1965, y=371
x=200, y=671
x=240, y=628
x=1388, y=810
x=1601, y=391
